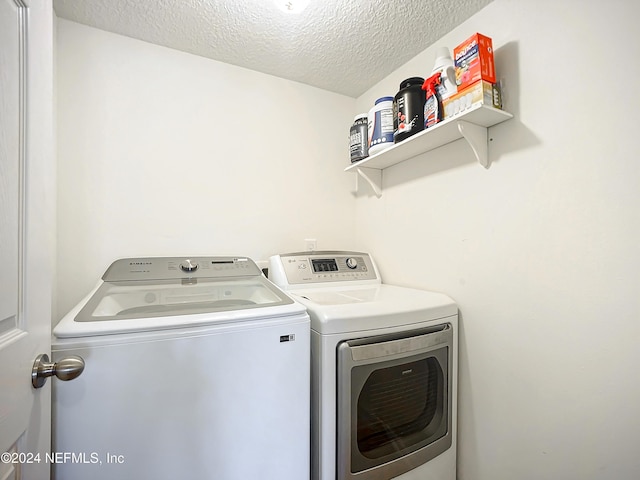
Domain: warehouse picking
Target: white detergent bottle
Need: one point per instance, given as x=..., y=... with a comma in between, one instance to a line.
x=444, y=65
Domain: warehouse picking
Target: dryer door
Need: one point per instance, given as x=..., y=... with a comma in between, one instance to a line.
x=394, y=402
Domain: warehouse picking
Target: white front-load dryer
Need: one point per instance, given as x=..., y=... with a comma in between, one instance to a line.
x=384, y=369
x=195, y=368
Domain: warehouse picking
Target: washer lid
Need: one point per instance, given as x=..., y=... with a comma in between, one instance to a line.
x=113, y=309
x=161, y=298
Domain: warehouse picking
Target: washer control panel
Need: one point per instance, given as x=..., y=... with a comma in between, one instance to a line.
x=321, y=267
x=168, y=268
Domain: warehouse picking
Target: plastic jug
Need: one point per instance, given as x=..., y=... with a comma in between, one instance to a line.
x=444, y=65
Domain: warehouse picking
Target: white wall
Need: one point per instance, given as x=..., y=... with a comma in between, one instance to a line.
x=165, y=153
x=541, y=251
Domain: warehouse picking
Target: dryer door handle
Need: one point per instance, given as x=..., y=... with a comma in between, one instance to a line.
x=65, y=369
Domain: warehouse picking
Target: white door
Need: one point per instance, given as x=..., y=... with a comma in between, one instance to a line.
x=27, y=233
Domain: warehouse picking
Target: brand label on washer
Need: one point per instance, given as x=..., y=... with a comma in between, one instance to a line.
x=287, y=338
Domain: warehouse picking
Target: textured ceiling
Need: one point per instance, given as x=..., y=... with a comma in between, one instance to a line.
x=338, y=45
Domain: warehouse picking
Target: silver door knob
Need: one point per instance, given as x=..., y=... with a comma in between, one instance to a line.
x=67, y=368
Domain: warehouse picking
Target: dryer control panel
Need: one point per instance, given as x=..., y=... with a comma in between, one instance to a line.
x=303, y=268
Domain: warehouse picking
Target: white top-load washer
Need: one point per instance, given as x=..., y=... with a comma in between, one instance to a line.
x=195, y=368
x=384, y=369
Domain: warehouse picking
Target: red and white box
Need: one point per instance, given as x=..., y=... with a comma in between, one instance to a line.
x=473, y=60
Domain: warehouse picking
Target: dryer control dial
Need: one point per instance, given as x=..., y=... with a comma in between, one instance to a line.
x=352, y=263
x=188, y=266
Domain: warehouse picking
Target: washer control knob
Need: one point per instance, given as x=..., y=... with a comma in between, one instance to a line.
x=352, y=263
x=188, y=266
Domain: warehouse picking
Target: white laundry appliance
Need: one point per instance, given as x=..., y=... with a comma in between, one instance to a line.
x=384, y=369
x=194, y=368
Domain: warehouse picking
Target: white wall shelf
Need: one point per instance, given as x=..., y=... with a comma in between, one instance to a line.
x=471, y=125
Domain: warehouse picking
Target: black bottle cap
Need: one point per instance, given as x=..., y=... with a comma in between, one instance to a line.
x=411, y=81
